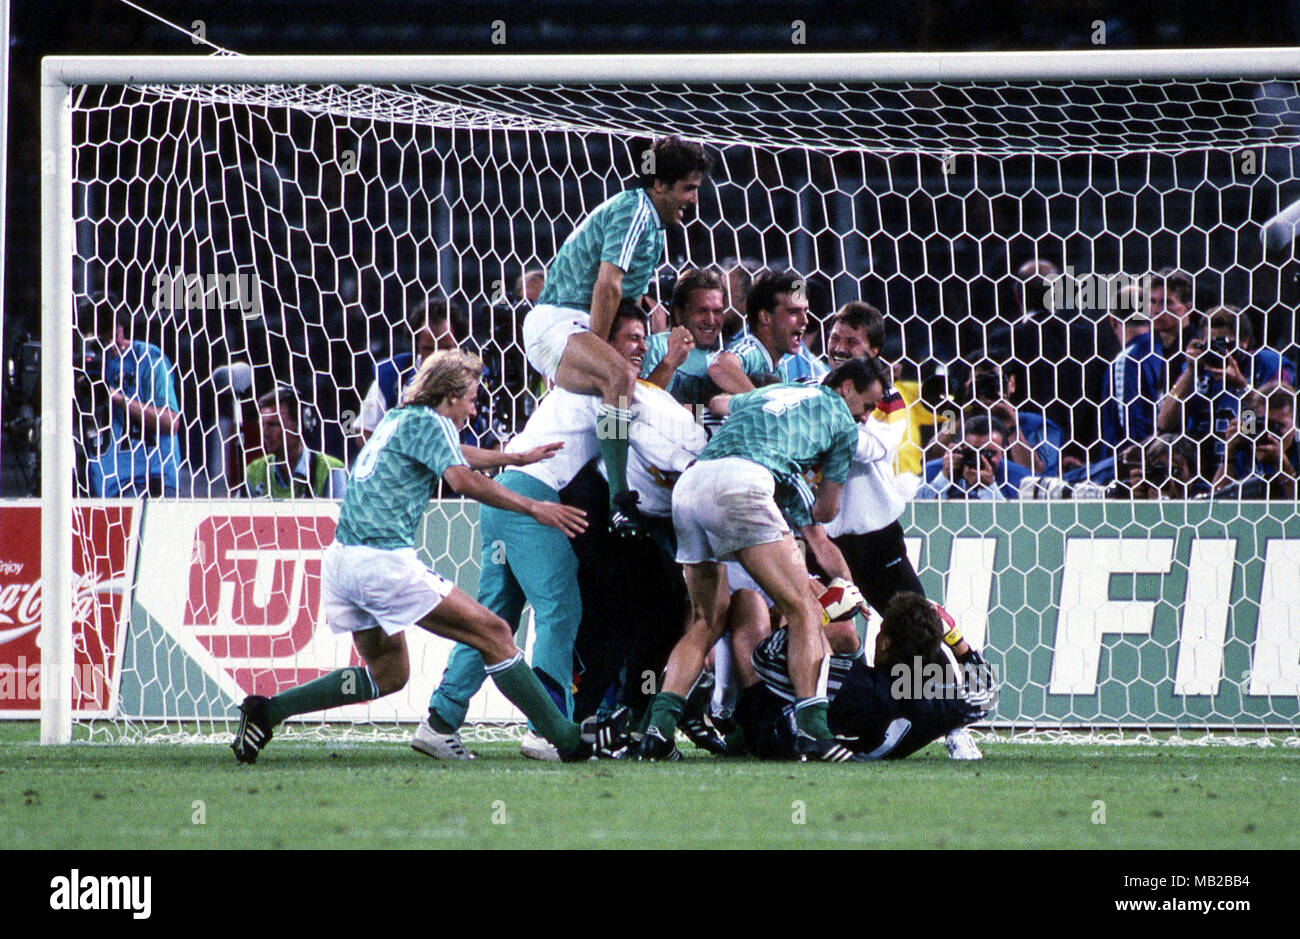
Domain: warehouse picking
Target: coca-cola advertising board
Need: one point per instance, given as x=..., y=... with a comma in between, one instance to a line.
x=103, y=550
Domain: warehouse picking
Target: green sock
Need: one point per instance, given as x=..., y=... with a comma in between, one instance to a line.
x=810, y=717
x=665, y=711
x=341, y=686
x=520, y=685
x=612, y=437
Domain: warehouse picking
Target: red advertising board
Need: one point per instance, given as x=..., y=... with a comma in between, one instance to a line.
x=102, y=552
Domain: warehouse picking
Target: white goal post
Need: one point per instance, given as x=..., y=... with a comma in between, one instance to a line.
x=1011, y=93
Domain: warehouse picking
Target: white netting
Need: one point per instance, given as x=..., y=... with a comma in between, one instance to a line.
x=340, y=207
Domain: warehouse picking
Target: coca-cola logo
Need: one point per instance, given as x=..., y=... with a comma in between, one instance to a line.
x=20, y=610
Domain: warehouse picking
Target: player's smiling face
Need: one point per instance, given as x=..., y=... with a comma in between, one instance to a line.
x=789, y=319
x=673, y=201
x=629, y=341
x=846, y=343
x=703, y=316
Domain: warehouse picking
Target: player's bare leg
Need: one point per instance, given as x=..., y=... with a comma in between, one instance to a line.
x=780, y=570
x=706, y=583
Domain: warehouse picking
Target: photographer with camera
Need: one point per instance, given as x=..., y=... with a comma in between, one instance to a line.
x=1218, y=369
x=1262, y=462
x=290, y=469
x=1158, y=468
x=976, y=467
x=141, y=455
x=1032, y=439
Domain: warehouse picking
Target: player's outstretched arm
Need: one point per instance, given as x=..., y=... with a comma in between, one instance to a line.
x=480, y=459
x=825, y=552
x=572, y=521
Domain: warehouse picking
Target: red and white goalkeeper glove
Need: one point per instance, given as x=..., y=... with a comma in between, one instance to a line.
x=840, y=601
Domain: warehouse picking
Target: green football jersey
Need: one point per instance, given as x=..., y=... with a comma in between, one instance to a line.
x=790, y=429
x=624, y=230
x=395, y=476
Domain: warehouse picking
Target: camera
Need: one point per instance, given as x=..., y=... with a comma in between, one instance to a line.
x=969, y=458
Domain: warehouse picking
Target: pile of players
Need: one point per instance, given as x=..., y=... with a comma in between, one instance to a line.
x=647, y=549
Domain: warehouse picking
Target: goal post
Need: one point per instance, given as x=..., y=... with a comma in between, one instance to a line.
x=173, y=176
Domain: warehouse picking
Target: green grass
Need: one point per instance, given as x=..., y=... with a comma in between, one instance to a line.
x=330, y=794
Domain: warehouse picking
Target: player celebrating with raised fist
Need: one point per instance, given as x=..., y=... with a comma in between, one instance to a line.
x=374, y=586
x=611, y=255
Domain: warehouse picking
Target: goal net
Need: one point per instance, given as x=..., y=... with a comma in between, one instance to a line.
x=263, y=234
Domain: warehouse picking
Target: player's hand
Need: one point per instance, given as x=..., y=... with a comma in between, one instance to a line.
x=537, y=454
x=840, y=600
x=680, y=344
x=1231, y=375
x=567, y=518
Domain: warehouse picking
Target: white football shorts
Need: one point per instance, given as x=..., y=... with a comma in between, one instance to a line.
x=364, y=587
x=723, y=505
x=547, y=330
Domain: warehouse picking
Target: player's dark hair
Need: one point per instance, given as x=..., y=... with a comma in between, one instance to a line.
x=688, y=282
x=861, y=371
x=766, y=288
x=671, y=158
x=863, y=316
x=629, y=309
x=913, y=628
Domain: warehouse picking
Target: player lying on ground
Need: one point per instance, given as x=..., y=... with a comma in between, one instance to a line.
x=526, y=562
x=374, y=586
x=867, y=530
x=739, y=501
x=610, y=256
x=913, y=694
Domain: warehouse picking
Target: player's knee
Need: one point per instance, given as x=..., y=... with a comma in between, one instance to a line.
x=498, y=641
x=391, y=676
x=843, y=638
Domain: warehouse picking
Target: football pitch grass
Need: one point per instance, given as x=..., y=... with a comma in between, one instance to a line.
x=314, y=793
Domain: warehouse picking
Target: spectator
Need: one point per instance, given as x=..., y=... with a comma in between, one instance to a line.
x=1159, y=468
x=529, y=285
x=289, y=470
x=1128, y=413
x=1262, y=462
x=1218, y=370
x=434, y=324
x=143, y=455
x=1032, y=440
x=976, y=467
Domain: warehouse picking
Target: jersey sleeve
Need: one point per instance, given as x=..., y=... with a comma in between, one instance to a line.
x=623, y=224
x=843, y=447
x=656, y=348
x=431, y=440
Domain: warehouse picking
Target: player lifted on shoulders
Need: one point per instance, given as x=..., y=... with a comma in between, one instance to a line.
x=374, y=586
x=611, y=255
x=739, y=501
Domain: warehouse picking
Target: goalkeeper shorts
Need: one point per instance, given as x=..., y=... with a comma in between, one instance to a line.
x=546, y=332
x=723, y=505
x=364, y=587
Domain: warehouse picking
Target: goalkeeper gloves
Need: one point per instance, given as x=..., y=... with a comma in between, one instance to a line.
x=840, y=601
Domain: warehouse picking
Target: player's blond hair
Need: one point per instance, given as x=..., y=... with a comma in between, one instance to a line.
x=448, y=373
